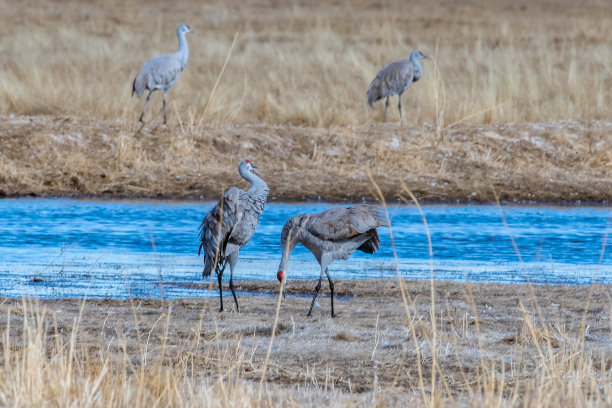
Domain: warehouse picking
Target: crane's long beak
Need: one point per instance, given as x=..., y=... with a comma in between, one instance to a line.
x=255, y=168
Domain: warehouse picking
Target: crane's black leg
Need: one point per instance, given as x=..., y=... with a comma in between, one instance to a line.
x=233, y=259
x=386, y=106
x=231, y=285
x=164, y=107
x=331, y=289
x=399, y=106
x=219, y=277
x=145, y=106
x=315, y=294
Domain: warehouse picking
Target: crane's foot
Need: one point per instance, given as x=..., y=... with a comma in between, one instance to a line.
x=220, y=309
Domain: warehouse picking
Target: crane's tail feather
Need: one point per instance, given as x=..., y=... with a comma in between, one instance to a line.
x=371, y=245
x=139, y=85
x=208, y=266
x=374, y=92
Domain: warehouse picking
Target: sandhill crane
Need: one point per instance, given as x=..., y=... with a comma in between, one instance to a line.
x=394, y=78
x=162, y=72
x=230, y=224
x=332, y=234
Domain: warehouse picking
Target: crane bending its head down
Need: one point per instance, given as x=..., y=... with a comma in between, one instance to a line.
x=332, y=234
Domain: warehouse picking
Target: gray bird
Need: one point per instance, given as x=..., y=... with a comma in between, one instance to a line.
x=162, y=72
x=332, y=234
x=230, y=225
x=394, y=78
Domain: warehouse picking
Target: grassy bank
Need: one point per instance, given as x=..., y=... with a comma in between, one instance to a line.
x=560, y=162
x=462, y=344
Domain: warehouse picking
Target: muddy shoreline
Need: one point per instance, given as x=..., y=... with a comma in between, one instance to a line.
x=369, y=345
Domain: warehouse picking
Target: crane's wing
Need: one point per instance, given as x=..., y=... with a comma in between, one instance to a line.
x=216, y=229
x=166, y=69
x=393, y=78
x=346, y=222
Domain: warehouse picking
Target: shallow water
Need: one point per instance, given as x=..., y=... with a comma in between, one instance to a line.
x=117, y=249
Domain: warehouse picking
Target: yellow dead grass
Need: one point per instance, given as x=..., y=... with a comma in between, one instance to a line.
x=310, y=63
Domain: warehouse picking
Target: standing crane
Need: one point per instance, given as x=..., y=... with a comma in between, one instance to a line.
x=332, y=234
x=162, y=72
x=394, y=79
x=230, y=225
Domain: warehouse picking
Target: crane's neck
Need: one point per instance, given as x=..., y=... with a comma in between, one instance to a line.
x=183, y=49
x=418, y=68
x=287, y=248
x=259, y=189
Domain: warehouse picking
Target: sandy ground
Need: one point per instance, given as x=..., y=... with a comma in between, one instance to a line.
x=369, y=345
x=560, y=162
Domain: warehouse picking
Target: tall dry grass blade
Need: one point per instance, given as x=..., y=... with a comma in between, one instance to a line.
x=212, y=92
x=406, y=299
x=582, y=337
x=272, y=336
x=439, y=105
x=432, y=288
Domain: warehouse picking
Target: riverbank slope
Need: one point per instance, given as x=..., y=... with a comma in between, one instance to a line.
x=557, y=162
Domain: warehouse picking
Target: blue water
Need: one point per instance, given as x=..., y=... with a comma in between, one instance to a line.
x=117, y=249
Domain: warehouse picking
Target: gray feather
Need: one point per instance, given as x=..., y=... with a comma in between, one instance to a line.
x=345, y=222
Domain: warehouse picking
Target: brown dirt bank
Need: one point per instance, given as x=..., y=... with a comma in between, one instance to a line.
x=560, y=162
x=517, y=334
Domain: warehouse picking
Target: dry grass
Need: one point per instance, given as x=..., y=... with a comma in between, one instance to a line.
x=556, y=162
x=309, y=63
x=496, y=345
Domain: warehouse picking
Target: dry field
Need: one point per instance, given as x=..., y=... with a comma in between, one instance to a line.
x=310, y=62
x=516, y=99
x=66, y=70
x=480, y=345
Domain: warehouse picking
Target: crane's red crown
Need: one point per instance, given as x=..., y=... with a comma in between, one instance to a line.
x=247, y=160
x=280, y=275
